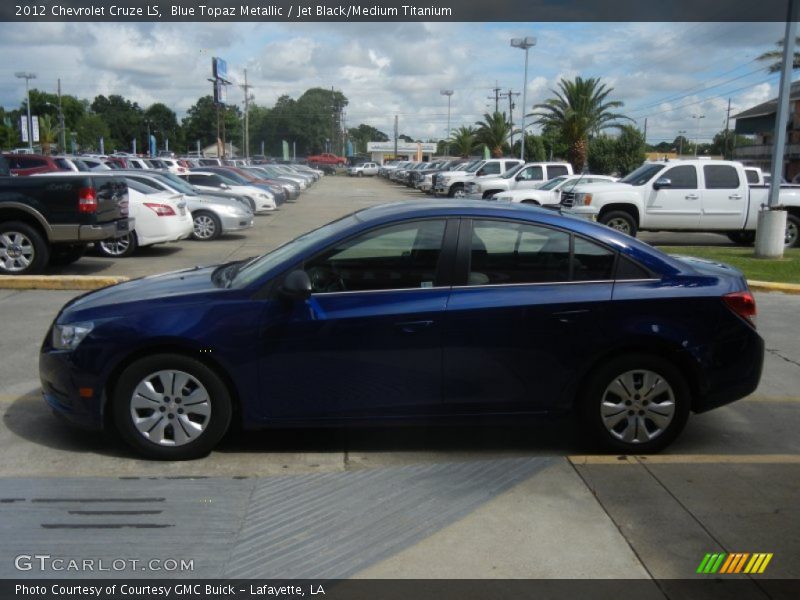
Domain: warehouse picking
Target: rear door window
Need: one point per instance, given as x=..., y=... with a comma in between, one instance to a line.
x=721, y=177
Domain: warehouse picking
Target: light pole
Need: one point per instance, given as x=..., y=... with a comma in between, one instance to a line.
x=60, y=113
x=525, y=44
x=447, y=93
x=697, y=139
x=681, y=134
x=27, y=77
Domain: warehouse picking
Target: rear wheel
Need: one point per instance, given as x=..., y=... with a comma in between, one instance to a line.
x=120, y=247
x=635, y=404
x=619, y=220
x=23, y=250
x=792, y=230
x=207, y=226
x=171, y=407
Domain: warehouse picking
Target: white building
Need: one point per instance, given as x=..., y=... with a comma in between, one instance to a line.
x=419, y=151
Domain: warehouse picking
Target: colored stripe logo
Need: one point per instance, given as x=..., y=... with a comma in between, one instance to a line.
x=736, y=562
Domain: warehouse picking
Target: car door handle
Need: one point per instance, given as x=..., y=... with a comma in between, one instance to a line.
x=692, y=196
x=735, y=197
x=413, y=326
x=565, y=316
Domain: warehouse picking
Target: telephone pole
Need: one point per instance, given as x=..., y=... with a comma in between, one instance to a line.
x=510, y=95
x=727, y=134
x=395, y=137
x=496, y=90
x=247, y=97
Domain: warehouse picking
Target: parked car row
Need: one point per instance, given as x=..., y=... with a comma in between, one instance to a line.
x=52, y=217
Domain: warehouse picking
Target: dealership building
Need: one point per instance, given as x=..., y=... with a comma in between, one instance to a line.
x=382, y=151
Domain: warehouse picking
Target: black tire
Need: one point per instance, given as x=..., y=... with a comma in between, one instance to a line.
x=63, y=255
x=530, y=202
x=634, y=415
x=213, y=428
x=360, y=174
x=252, y=204
x=742, y=238
x=621, y=221
x=456, y=191
x=207, y=226
x=23, y=250
x=121, y=247
x=792, y=231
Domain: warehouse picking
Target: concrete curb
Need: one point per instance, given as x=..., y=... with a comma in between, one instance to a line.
x=57, y=282
x=769, y=286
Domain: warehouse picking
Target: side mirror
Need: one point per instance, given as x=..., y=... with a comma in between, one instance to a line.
x=662, y=182
x=479, y=173
x=297, y=285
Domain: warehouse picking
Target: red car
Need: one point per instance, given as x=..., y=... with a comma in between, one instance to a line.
x=326, y=158
x=28, y=164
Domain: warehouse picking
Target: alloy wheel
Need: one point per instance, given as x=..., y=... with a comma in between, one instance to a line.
x=117, y=247
x=16, y=251
x=637, y=406
x=619, y=224
x=204, y=227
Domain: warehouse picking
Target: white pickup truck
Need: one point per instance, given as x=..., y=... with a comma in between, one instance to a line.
x=527, y=176
x=452, y=183
x=684, y=195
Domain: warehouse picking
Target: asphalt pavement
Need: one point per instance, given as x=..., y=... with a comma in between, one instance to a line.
x=522, y=501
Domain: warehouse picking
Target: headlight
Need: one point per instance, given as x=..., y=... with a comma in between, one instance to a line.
x=583, y=199
x=67, y=337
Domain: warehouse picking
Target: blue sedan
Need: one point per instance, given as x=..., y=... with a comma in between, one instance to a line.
x=411, y=312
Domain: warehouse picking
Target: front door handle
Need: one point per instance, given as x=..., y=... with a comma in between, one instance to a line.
x=566, y=316
x=413, y=326
x=692, y=196
x=735, y=197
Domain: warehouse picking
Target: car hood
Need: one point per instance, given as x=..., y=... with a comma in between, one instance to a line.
x=116, y=299
x=596, y=188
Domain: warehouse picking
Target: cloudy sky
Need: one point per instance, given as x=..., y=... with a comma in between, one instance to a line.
x=665, y=72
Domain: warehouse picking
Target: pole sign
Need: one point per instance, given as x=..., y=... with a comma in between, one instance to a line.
x=35, y=128
x=23, y=127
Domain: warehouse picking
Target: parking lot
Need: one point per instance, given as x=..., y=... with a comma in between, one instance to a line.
x=522, y=501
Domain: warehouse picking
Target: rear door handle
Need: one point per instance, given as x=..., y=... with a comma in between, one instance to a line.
x=413, y=326
x=566, y=316
x=735, y=197
x=692, y=196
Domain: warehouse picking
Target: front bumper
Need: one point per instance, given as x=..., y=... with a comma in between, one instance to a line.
x=235, y=223
x=589, y=213
x=61, y=385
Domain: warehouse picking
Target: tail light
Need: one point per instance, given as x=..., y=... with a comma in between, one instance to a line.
x=743, y=304
x=87, y=200
x=162, y=210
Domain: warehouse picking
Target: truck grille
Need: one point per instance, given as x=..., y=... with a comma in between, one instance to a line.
x=567, y=199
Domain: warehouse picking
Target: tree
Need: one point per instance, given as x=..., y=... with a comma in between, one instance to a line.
x=462, y=141
x=628, y=150
x=580, y=108
x=493, y=131
x=602, y=155
x=48, y=132
x=534, y=148
x=200, y=123
x=164, y=124
x=364, y=134
x=45, y=103
x=317, y=119
x=9, y=133
x=775, y=57
x=124, y=119
x=89, y=129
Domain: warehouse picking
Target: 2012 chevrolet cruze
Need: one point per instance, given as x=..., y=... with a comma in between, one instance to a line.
x=409, y=312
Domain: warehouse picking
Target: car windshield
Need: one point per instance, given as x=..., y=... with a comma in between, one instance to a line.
x=553, y=183
x=178, y=183
x=239, y=179
x=472, y=167
x=256, y=268
x=512, y=171
x=642, y=175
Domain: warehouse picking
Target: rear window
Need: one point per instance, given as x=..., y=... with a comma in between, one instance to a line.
x=556, y=171
x=721, y=177
x=752, y=176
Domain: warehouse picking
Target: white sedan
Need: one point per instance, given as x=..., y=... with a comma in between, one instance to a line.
x=159, y=217
x=549, y=193
x=260, y=200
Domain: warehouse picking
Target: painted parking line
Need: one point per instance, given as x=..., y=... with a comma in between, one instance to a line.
x=685, y=459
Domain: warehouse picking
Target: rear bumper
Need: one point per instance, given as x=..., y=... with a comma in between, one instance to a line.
x=104, y=231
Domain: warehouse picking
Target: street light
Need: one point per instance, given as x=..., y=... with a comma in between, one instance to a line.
x=697, y=139
x=524, y=44
x=61, y=141
x=681, y=133
x=27, y=77
x=447, y=93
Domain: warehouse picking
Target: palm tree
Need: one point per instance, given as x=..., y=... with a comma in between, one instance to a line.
x=47, y=133
x=463, y=141
x=776, y=57
x=579, y=108
x=493, y=131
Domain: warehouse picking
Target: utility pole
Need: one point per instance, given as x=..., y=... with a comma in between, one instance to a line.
x=395, y=137
x=496, y=90
x=246, y=134
x=62, y=139
x=681, y=135
x=645, y=131
x=697, y=139
x=727, y=135
x=510, y=95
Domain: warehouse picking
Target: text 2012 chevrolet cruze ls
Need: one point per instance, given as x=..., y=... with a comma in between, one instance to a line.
x=410, y=312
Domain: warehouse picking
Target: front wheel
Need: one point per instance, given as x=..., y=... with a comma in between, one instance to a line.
x=619, y=220
x=457, y=191
x=120, y=247
x=171, y=407
x=635, y=404
x=207, y=226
